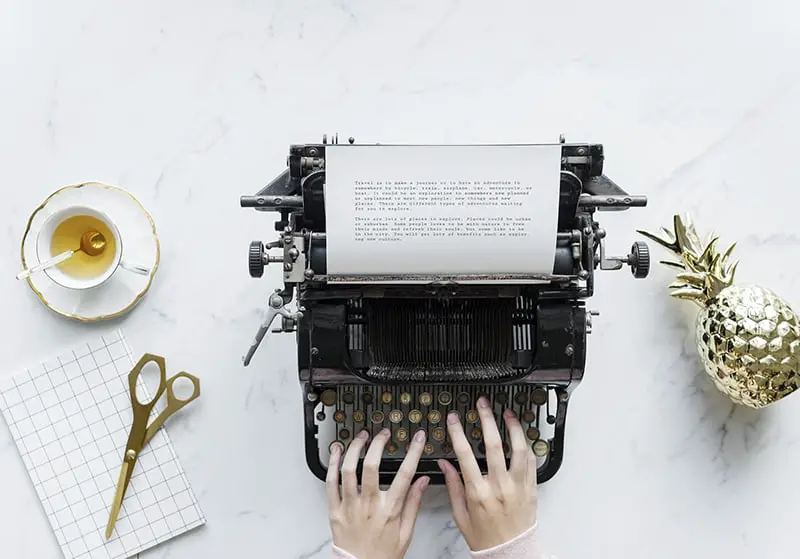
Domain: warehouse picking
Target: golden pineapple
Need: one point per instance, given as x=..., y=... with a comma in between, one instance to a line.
x=747, y=336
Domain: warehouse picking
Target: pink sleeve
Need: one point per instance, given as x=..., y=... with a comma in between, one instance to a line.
x=524, y=546
x=339, y=553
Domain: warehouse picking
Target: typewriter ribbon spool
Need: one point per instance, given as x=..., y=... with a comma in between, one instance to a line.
x=402, y=350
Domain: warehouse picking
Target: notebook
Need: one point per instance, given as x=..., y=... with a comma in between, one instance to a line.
x=70, y=416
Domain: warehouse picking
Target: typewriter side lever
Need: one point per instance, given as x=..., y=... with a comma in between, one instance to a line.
x=277, y=306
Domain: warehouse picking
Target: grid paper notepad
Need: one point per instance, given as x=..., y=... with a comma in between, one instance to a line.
x=70, y=417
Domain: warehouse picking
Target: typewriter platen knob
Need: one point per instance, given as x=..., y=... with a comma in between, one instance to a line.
x=639, y=259
x=255, y=259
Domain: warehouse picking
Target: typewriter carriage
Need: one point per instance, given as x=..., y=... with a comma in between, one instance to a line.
x=498, y=338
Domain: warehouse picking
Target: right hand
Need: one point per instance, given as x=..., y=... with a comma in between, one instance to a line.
x=493, y=509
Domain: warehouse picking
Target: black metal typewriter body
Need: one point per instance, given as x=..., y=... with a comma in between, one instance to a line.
x=376, y=355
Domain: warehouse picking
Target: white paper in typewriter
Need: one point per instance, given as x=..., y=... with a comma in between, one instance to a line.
x=70, y=416
x=441, y=210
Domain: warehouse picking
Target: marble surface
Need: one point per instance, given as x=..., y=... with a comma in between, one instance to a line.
x=189, y=105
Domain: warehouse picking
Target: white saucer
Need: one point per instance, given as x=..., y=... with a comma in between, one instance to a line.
x=124, y=289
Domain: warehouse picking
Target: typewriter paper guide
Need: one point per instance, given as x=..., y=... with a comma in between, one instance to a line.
x=399, y=213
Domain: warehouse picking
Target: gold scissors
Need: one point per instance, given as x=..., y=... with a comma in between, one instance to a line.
x=141, y=432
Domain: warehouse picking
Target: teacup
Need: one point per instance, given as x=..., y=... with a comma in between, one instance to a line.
x=62, y=231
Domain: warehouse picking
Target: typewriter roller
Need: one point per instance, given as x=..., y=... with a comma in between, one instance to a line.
x=384, y=354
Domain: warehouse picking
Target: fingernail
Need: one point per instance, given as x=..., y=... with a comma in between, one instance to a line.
x=483, y=402
x=384, y=432
x=420, y=436
x=363, y=435
x=452, y=418
x=425, y=482
x=509, y=414
x=336, y=449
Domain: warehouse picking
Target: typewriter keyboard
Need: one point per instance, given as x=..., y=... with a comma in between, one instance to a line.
x=345, y=410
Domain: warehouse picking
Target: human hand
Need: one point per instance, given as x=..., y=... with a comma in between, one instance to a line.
x=370, y=523
x=492, y=509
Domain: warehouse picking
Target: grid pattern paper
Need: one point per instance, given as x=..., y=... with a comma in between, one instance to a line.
x=70, y=417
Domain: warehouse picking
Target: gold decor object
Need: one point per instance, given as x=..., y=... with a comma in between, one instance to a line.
x=747, y=336
x=143, y=429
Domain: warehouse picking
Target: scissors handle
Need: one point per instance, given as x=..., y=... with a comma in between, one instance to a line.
x=173, y=403
x=141, y=408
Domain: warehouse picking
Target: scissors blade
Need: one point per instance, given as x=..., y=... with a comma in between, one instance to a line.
x=122, y=485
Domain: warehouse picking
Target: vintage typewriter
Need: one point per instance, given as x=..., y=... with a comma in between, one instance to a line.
x=378, y=354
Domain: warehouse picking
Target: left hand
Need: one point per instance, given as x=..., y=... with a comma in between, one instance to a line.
x=370, y=523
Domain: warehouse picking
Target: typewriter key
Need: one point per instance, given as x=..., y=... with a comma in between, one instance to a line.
x=477, y=434
x=405, y=398
x=328, y=397
x=434, y=416
x=438, y=434
x=344, y=434
x=533, y=433
x=386, y=397
x=472, y=416
x=320, y=415
x=402, y=434
x=425, y=399
x=528, y=416
x=366, y=397
x=339, y=416
x=340, y=443
x=395, y=416
x=482, y=448
x=539, y=396
x=358, y=416
x=415, y=416
x=551, y=419
x=521, y=398
x=445, y=398
x=501, y=398
x=541, y=448
x=391, y=448
x=447, y=448
x=348, y=397
x=428, y=449
x=463, y=398
x=377, y=417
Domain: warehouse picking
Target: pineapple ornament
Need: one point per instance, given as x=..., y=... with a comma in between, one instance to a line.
x=747, y=336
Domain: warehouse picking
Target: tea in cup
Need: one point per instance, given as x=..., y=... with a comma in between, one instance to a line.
x=63, y=231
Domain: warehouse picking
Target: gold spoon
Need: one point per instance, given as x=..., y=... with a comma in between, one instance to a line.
x=92, y=243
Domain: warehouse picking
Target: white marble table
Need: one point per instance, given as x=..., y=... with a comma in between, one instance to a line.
x=191, y=104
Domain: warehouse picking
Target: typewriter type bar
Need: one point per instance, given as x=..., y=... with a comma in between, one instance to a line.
x=379, y=353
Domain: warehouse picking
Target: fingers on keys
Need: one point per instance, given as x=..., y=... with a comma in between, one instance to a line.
x=332, y=479
x=463, y=450
x=370, y=479
x=405, y=474
x=520, y=450
x=350, y=466
x=495, y=455
x=455, y=489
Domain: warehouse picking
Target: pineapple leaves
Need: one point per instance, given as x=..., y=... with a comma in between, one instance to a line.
x=668, y=241
x=678, y=265
x=692, y=279
x=704, y=270
x=691, y=294
x=689, y=233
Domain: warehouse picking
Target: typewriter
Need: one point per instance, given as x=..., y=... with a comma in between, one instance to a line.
x=402, y=355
